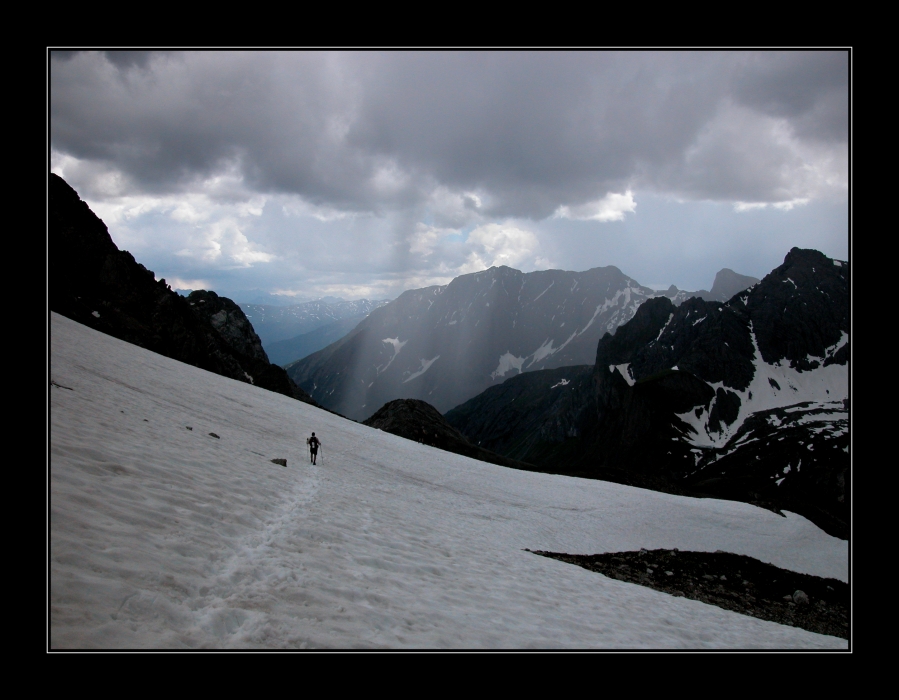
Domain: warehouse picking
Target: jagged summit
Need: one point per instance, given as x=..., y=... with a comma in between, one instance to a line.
x=727, y=283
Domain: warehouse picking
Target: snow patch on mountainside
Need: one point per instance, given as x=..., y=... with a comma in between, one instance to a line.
x=425, y=366
x=773, y=386
x=545, y=290
x=624, y=371
x=397, y=346
x=545, y=350
x=507, y=363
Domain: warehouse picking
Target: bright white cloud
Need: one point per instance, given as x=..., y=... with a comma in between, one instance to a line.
x=783, y=206
x=612, y=207
x=764, y=156
x=226, y=237
x=455, y=208
x=425, y=238
x=502, y=244
x=181, y=283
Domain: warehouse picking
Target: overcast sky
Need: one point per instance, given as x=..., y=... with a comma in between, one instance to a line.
x=363, y=174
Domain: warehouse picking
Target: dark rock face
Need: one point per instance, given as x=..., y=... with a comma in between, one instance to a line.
x=229, y=320
x=698, y=336
x=730, y=581
x=420, y=422
x=94, y=283
x=529, y=417
x=794, y=458
x=684, y=399
x=694, y=430
x=801, y=310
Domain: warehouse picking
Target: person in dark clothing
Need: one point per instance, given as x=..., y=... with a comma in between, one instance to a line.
x=314, y=444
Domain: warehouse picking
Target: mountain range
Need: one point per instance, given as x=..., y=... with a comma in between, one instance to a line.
x=290, y=333
x=745, y=399
x=283, y=323
x=587, y=374
x=447, y=344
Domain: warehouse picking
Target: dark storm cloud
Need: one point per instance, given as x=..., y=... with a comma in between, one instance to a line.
x=119, y=58
x=525, y=132
x=810, y=88
x=191, y=116
x=534, y=130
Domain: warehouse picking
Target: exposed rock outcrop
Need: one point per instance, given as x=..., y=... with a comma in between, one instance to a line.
x=731, y=581
x=229, y=320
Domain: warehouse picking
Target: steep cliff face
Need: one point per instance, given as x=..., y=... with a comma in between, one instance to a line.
x=91, y=281
x=229, y=320
x=745, y=399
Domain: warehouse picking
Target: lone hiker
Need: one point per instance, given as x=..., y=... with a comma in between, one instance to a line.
x=313, y=443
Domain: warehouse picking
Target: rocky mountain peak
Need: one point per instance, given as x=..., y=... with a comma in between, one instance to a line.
x=800, y=311
x=727, y=283
x=229, y=320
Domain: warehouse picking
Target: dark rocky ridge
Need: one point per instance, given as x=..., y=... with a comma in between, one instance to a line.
x=730, y=581
x=534, y=414
x=94, y=283
x=699, y=359
x=420, y=422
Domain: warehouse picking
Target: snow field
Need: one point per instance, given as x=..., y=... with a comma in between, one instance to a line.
x=163, y=537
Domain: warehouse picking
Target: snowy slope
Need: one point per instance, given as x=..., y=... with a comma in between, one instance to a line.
x=163, y=537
